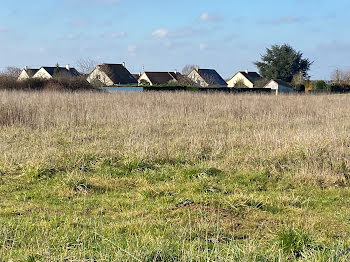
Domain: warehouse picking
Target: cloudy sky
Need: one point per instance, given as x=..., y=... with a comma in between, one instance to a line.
x=161, y=35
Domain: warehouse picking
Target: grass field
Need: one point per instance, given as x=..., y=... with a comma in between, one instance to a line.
x=174, y=177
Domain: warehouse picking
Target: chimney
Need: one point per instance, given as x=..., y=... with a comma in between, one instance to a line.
x=67, y=67
x=247, y=71
x=124, y=64
x=140, y=74
x=26, y=68
x=175, y=71
x=196, y=68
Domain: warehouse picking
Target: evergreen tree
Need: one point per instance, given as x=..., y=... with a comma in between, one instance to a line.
x=56, y=71
x=283, y=62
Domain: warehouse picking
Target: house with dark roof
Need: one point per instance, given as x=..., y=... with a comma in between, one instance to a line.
x=279, y=86
x=164, y=78
x=206, y=78
x=112, y=74
x=27, y=73
x=136, y=76
x=46, y=72
x=245, y=79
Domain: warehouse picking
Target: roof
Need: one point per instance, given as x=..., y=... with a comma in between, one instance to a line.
x=31, y=72
x=211, y=77
x=136, y=76
x=161, y=78
x=62, y=70
x=279, y=82
x=118, y=74
x=251, y=76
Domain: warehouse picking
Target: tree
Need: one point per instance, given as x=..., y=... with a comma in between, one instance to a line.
x=12, y=71
x=321, y=85
x=188, y=69
x=341, y=77
x=86, y=65
x=283, y=62
x=56, y=71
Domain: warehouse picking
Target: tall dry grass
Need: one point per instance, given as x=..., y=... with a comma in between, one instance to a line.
x=307, y=136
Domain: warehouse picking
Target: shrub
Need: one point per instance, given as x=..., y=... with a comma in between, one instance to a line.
x=144, y=82
x=61, y=84
x=336, y=88
x=299, y=88
x=321, y=85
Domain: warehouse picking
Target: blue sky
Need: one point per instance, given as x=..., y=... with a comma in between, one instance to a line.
x=164, y=35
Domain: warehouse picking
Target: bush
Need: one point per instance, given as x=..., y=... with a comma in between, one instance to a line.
x=61, y=84
x=336, y=88
x=300, y=88
x=321, y=85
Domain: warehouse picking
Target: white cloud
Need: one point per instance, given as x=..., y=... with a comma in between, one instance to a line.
x=118, y=34
x=184, y=32
x=94, y=1
x=3, y=29
x=203, y=46
x=160, y=33
x=132, y=48
x=208, y=17
x=289, y=19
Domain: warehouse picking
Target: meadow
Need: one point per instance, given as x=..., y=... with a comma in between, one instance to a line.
x=180, y=176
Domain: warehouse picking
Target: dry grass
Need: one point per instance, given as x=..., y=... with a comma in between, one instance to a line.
x=306, y=135
x=174, y=177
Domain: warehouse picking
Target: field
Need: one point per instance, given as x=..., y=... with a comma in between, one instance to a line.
x=174, y=177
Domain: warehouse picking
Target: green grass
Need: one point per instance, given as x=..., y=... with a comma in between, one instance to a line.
x=149, y=182
x=117, y=209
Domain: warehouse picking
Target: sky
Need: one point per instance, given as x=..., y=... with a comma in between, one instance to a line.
x=159, y=35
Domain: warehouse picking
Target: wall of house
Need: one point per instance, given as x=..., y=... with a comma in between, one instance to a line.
x=238, y=77
x=99, y=75
x=279, y=88
x=195, y=77
x=42, y=73
x=23, y=75
x=144, y=77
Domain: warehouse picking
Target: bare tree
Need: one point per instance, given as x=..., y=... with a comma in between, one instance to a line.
x=86, y=65
x=11, y=71
x=341, y=77
x=188, y=69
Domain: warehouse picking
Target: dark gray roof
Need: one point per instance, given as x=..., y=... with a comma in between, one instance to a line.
x=118, y=74
x=62, y=71
x=136, y=76
x=31, y=72
x=281, y=82
x=251, y=76
x=211, y=77
x=161, y=78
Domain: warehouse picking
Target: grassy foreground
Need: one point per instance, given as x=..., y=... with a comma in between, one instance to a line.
x=174, y=177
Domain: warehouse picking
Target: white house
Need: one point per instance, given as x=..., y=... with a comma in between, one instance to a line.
x=50, y=72
x=164, y=78
x=112, y=74
x=279, y=86
x=206, y=78
x=27, y=73
x=248, y=79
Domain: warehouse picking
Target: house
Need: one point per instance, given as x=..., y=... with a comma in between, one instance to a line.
x=245, y=78
x=279, y=86
x=164, y=78
x=27, y=73
x=50, y=72
x=136, y=76
x=206, y=78
x=112, y=74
